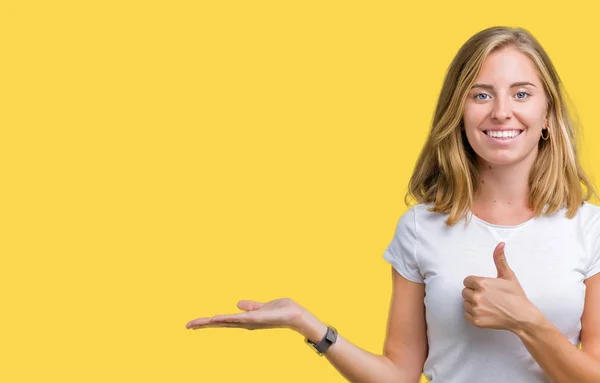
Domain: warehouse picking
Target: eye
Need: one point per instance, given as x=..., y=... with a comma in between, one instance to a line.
x=522, y=95
x=481, y=96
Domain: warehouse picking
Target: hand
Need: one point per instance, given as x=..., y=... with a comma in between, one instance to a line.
x=278, y=313
x=497, y=303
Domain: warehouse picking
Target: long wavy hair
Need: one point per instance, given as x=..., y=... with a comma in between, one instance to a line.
x=446, y=174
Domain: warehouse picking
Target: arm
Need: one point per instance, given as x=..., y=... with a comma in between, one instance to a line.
x=556, y=355
x=405, y=346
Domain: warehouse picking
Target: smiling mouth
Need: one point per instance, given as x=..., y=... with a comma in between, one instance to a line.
x=503, y=135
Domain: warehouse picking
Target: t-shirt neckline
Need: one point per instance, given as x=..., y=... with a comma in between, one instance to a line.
x=486, y=223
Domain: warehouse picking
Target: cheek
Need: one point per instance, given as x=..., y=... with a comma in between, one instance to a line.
x=474, y=115
x=472, y=120
x=532, y=115
x=531, y=120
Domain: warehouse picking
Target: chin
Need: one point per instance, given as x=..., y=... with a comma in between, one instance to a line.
x=503, y=159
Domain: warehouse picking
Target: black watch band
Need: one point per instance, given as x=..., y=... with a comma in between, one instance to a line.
x=329, y=339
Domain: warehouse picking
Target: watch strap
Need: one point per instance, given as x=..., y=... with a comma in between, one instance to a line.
x=324, y=344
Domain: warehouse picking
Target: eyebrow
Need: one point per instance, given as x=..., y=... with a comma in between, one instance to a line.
x=487, y=86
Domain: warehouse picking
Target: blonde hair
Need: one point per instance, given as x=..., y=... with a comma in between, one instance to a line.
x=446, y=175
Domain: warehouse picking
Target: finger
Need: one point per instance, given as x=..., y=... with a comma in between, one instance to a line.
x=197, y=322
x=219, y=325
x=468, y=307
x=230, y=318
x=249, y=305
x=468, y=316
x=468, y=294
x=504, y=270
x=473, y=282
x=471, y=319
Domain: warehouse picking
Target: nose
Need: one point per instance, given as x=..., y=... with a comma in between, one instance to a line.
x=502, y=110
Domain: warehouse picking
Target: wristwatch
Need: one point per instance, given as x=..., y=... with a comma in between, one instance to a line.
x=329, y=339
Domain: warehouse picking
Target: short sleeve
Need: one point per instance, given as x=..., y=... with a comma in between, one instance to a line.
x=593, y=238
x=401, y=253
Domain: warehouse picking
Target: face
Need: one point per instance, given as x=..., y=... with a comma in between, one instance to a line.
x=505, y=110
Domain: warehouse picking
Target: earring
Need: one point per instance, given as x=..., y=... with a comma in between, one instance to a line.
x=547, y=129
x=547, y=136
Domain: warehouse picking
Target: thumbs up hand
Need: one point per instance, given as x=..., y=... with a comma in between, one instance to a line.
x=497, y=303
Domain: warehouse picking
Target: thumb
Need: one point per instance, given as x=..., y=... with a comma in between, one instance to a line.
x=248, y=305
x=504, y=270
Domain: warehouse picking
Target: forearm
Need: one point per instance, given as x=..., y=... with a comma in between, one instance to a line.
x=354, y=363
x=556, y=355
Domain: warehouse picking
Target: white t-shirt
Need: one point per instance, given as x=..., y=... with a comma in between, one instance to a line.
x=550, y=255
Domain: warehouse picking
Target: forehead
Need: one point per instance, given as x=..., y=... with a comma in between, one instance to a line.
x=508, y=65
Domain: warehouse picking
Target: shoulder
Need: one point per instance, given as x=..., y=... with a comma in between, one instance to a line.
x=425, y=216
x=588, y=217
x=588, y=211
x=586, y=220
x=586, y=214
x=588, y=229
x=423, y=210
x=420, y=218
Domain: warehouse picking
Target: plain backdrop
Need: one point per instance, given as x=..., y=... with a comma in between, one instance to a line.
x=161, y=160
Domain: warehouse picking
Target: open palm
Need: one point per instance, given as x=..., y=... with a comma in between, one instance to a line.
x=278, y=313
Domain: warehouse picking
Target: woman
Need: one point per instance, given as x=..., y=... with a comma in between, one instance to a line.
x=502, y=238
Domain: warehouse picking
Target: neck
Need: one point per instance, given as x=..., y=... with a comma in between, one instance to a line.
x=503, y=187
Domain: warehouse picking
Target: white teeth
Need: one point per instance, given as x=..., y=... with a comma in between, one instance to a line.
x=503, y=134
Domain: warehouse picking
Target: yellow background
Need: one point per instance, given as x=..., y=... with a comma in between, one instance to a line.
x=161, y=160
